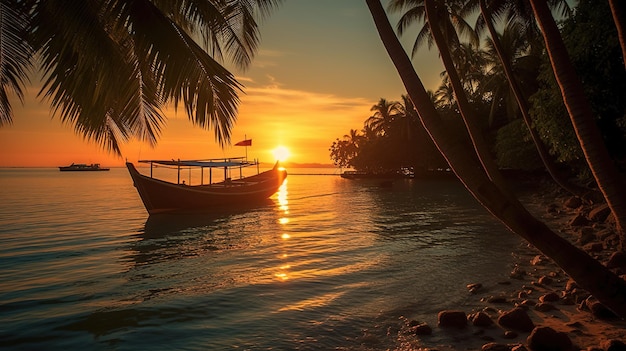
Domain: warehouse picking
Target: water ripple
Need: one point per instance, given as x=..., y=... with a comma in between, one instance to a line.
x=326, y=264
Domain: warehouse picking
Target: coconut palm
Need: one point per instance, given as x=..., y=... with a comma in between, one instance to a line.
x=444, y=96
x=519, y=22
x=443, y=20
x=415, y=12
x=385, y=112
x=610, y=182
x=516, y=51
x=516, y=11
x=589, y=273
x=470, y=62
x=417, y=143
x=467, y=112
x=618, y=10
x=111, y=66
x=409, y=122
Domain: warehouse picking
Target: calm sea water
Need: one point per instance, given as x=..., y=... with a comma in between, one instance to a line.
x=329, y=263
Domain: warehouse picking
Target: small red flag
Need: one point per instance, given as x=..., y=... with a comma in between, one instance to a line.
x=247, y=142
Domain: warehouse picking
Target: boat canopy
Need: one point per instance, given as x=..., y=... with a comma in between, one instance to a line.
x=212, y=163
x=227, y=164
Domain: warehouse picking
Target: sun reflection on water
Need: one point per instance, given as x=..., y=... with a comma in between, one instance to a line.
x=283, y=204
x=282, y=198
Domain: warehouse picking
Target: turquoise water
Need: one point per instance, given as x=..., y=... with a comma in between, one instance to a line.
x=328, y=263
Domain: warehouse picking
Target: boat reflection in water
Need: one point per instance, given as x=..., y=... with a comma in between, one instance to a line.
x=162, y=224
x=212, y=236
x=168, y=236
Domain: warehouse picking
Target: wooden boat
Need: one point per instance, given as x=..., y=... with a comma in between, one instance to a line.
x=160, y=196
x=81, y=167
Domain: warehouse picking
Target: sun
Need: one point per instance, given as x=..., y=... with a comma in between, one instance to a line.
x=281, y=153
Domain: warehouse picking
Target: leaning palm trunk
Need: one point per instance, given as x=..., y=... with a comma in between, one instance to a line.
x=522, y=103
x=467, y=112
x=611, y=183
x=590, y=274
x=618, y=9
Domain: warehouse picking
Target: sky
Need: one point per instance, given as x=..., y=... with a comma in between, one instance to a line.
x=319, y=68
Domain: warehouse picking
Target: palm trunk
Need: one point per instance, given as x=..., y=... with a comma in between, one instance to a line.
x=611, y=183
x=523, y=106
x=618, y=9
x=469, y=117
x=606, y=286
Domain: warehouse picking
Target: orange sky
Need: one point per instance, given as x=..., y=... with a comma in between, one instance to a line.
x=319, y=69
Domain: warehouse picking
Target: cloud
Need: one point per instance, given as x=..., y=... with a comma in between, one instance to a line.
x=266, y=58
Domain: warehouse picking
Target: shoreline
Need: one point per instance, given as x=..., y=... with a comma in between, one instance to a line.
x=538, y=287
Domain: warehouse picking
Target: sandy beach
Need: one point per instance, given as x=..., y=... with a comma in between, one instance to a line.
x=539, y=288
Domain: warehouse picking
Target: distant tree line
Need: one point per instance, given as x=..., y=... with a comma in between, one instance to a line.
x=393, y=136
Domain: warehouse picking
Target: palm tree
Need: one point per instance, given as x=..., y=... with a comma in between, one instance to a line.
x=417, y=143
x=590, y=274
x=618, y=10
x=443, y=20
x=467, y=112
x=609, y=181
x=519, y=12
x=344, y=151
x=506, y=57
x=470, y=62
x=110, y=66
x=444, y=96
x=495, y=83
x=416, y=12
x=408, y=122
x=385, y=112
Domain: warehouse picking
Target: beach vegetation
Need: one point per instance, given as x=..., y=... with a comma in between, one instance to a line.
x=600, y=281
x=392, y=138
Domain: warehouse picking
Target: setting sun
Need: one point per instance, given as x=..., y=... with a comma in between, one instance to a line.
x=281, y=153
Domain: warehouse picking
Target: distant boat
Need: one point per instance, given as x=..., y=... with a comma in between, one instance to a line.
x=160, y=196
x=81, y=167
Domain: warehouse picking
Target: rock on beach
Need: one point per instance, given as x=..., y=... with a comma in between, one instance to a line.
x=548, y=339
x=541, y=308
x=516, y=319
x=452, y=319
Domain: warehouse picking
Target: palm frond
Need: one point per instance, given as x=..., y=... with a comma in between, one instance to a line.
x=91, y=78
x=15, y=54
x=184, y=72
x=111, y=65
x=229, y=26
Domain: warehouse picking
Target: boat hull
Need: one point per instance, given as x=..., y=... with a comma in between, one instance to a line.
x=159, y=196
